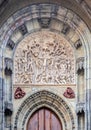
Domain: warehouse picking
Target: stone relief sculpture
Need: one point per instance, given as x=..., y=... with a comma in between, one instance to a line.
x=69, y=93
x=19, y=93
x=44, y=57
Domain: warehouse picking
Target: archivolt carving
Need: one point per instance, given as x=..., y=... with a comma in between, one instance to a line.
x=44, y=57
x=41, y=99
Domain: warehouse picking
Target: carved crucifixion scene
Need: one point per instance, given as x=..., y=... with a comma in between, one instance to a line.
x=44, y=58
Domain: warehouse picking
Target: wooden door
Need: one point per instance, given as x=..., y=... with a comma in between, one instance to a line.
x=44, y=119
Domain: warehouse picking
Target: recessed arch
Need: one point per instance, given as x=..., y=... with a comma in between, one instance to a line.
x=47, y=99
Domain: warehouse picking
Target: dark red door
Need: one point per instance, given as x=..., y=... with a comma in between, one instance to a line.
x=44, y=119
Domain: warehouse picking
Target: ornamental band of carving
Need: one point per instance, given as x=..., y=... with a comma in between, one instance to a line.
x=42, y=97
x=44, y=58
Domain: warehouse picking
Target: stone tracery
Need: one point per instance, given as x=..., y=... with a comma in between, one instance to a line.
x=44, y=57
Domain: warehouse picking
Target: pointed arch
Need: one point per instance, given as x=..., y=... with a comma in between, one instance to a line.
x=47, y=99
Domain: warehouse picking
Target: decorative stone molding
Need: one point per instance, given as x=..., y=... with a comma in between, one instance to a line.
x=65, y=29
x=8, y=66
x=23, y=29
x=8, y=109
x=44, y=99
x=80, y=108
x=44, y=22
x=23, y=16
x=69, y=93
x=10, y=44
x=80, y=66
x=46, y=58
x=19, y=93
x=85, y=6
x=78, y=44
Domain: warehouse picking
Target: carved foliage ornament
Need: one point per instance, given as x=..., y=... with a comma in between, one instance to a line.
x=44, y=57
x=19, y=93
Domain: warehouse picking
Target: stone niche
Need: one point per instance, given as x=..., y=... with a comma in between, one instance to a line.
x=44, y=58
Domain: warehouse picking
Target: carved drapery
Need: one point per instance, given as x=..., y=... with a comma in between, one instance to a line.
x=44, y=57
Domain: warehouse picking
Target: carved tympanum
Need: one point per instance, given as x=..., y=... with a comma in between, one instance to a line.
x=69, y=93
x=44, y=57
x=19, y=93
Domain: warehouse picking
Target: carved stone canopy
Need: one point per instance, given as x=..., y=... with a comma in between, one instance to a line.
x=65, y=29
x=44, y=58
x=78, y=44
x=44, y=22
x=80, y=108
x=8, y=66
x=8, y=109
x=23, y=29
x=10, y=44
x=80, y=66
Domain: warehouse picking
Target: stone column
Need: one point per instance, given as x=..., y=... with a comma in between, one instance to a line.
x=81, y=94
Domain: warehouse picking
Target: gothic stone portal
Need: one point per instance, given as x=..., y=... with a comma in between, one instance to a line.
x=43, y=59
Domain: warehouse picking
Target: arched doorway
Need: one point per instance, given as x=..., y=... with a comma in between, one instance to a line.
x=49, y=100
x=44, y=119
